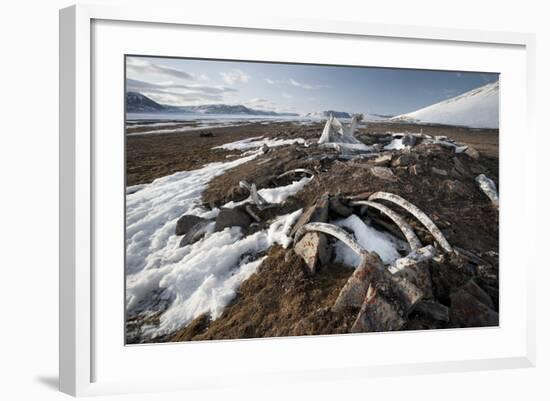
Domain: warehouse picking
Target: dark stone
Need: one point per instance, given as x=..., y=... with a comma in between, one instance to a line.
x=206, y=134
x=232, y=218
x=186, y=222
x=433, y=310
x=467, y=311
x=475, y=290
x=409, y=140
x=337, y=207
x=195, y=233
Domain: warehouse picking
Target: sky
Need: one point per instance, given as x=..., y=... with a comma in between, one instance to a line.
x=296, y=88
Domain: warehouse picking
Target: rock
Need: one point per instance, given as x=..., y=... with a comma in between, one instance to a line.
x=439, y=171
x=459, y=167
x=232, y=218
x=472, y=153
x=197, y=232
x=433, y=310
x=376, y=315
x=206, y=134
x=478, y=293
x=455, y=186
x=186, y=222
x=353, y=293
x=316, y=213
x=383, y=173
x=409, y=140
x=313, y=248
x=265, y=148
x=337, y=207
x=467, y=311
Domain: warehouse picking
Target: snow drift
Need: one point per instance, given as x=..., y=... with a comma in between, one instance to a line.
x=478, y=108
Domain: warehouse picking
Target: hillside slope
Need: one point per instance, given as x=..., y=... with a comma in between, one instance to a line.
x=478, y=108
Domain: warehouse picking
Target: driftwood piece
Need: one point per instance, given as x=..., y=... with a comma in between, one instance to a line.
x=405, y=228
x=419, y=214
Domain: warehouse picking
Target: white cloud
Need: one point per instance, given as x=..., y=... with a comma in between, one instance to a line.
x=270, y=81
x=177, y=94
x=140, y=66
x=235, y=76
x=306, y=86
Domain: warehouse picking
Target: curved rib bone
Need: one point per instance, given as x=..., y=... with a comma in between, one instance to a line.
x=333, y=230
x=419, y=214
x=405, y=228
x=296, y=170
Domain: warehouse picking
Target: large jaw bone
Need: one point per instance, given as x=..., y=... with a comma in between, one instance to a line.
x=419, y=214
x=405, y=228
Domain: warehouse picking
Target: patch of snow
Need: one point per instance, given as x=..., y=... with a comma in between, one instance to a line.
x=395, y=144
x=205, y=276
x=369, y=238
x=258, y=142
x=276, y=194
x=152, y=211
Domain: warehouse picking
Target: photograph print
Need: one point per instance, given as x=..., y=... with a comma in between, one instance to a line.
x=275, y=199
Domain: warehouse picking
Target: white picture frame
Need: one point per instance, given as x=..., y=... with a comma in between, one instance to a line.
x=79, y=342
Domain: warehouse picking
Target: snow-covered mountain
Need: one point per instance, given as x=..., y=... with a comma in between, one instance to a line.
x=139, y=103
x=477, y=108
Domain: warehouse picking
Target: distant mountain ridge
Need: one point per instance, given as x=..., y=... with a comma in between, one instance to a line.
x=139, y=103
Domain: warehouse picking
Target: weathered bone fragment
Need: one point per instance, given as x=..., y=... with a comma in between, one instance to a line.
x=416, y=212
x=256, y=197
x=335, y=132
x=413, y=258
x=296, y=171
x=489, y=188
x=405, y=228
x=336, y=205
x=252, y=214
